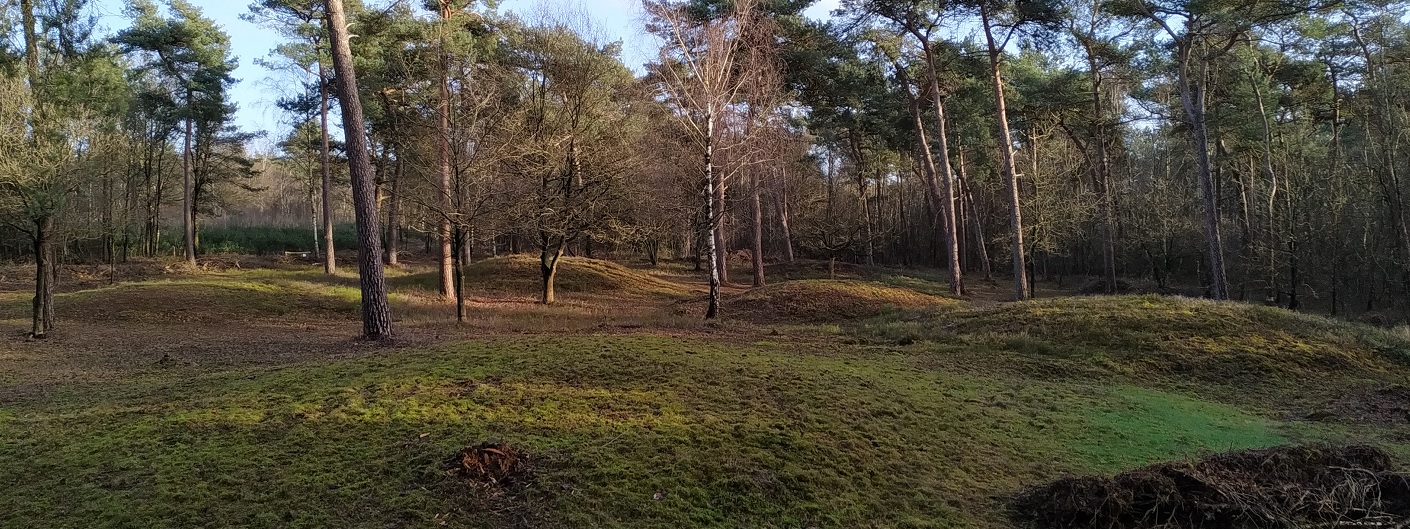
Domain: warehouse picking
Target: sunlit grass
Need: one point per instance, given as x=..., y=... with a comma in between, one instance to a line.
x=918, y=411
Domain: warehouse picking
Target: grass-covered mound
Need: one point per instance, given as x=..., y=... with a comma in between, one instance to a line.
x=519, y=275
x=626, y=431
x=209, y=300
x=1143, y=336
x=826, y=300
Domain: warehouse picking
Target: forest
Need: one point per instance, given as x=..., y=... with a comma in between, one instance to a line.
x=1245, y=150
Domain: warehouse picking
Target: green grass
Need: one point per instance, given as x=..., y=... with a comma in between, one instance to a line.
x=921, y=419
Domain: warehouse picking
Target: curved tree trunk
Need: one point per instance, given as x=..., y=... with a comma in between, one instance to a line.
x=1192, y=99
x=376, y=311
x=549, y=255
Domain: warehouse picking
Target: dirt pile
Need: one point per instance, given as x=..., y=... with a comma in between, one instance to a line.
x=492, y=466
x=1275, y=488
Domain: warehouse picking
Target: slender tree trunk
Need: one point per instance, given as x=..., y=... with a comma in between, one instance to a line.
x=1273, y=185
x=394, y=212
x=979, y=241
x=950, y=224
x=443, y=164
x=781, y=205
x=758, y=234
x=868, y=243
x=1020, y=278
x=1192, y=99
x=459, y=275
x=1102, y=166
x=712, y=218
x=188, y=210
x=941, y=177
x=376, y=311
x=720, y=227
x=313, y=218
x=330, y=263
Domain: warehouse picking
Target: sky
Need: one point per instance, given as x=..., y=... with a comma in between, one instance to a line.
x=258, y=87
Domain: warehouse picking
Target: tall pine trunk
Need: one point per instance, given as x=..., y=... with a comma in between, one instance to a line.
x=443, y=141
x=188, y=210
x=376, y=312
x=1020, y=276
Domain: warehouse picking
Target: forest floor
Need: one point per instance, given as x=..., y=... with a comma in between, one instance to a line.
x=239, y=397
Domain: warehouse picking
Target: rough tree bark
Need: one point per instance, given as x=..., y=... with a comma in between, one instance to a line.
x=712, y=218
x=443, y=162
x=1020, y=277
x=376, y=312
x=188, y=210
x=1192, y=99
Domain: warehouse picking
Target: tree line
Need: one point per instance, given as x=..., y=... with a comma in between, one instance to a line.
x=1236, y=149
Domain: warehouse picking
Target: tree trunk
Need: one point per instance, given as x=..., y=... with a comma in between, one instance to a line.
x=868, y=244
x=981, y=246
x=1102, y=167
x=376, y=311
x=721, y=242
x=188, y=210
x=443, y=164
x=781, y=204
x=313, y=218
x=43, y=315
x=459, y=276
x=549, y=254
x=712, y=218
x=330, y=264
x=949, y=223
x=1020, y=278
x=1192, y=99
x=394, y=212
x=758, y=234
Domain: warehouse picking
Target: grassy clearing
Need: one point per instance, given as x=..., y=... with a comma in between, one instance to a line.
x=730, y=433
x=924, y=416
